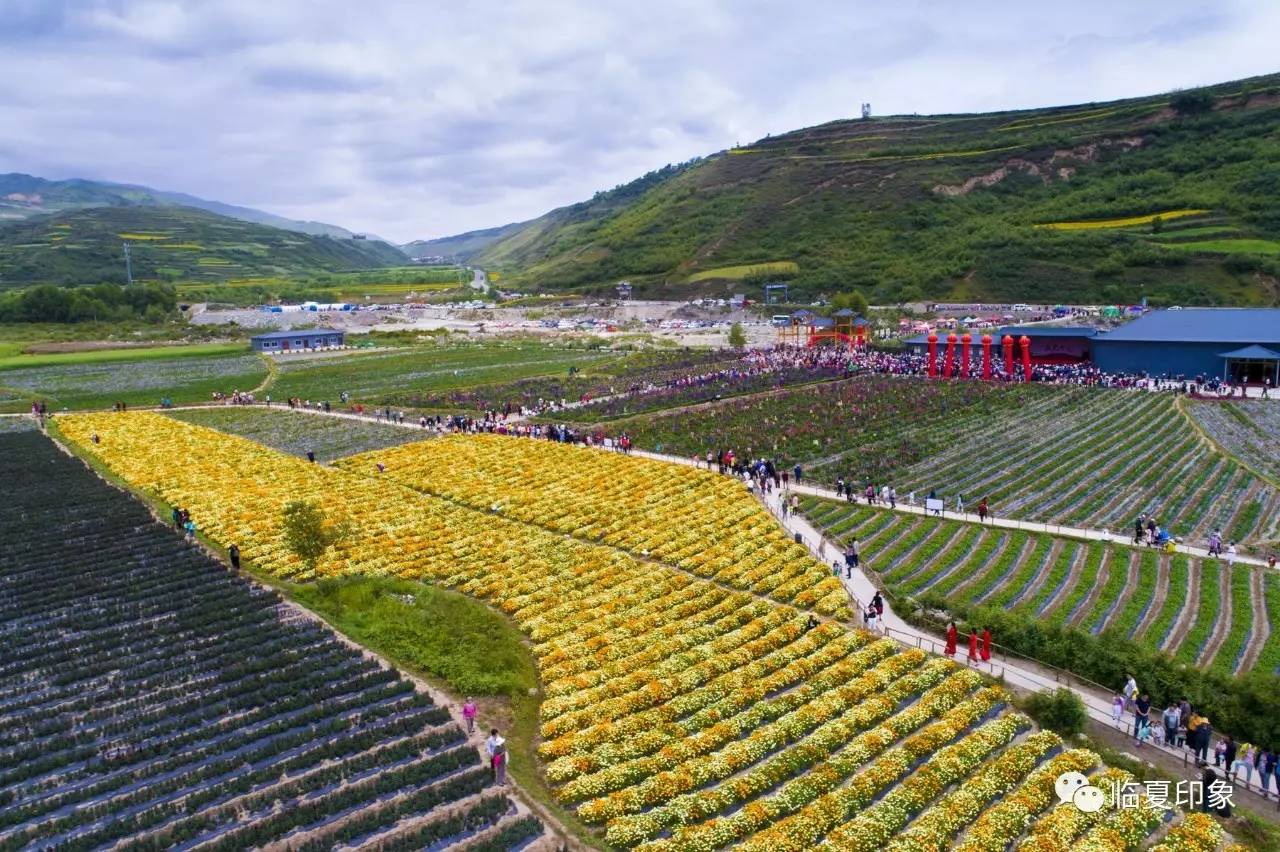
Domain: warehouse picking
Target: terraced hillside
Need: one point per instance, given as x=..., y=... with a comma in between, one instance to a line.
x=949, y=207
x=1196, y=610
x=678, y=711
x=150, y=698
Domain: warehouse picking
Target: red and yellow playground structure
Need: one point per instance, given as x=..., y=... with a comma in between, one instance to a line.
x=843, y=328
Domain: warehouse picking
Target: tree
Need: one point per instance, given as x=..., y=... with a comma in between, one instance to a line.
x=737, y=337
x=308, y=532
x=853, y=300
x=1191, y=103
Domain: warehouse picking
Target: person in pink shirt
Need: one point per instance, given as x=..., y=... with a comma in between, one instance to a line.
x=469, y=713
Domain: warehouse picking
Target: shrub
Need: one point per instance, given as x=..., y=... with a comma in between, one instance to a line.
x=1061, y=711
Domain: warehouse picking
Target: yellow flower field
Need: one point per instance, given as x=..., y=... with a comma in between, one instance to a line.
x=677, y=713
x=692, y=519
x=1095, y=224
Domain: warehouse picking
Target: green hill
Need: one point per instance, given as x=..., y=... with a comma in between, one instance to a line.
x=168, y=243
x=950, y=206
x=24, y=196
x=460, y=246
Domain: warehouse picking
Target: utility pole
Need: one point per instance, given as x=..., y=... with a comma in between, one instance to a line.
x=128, y=264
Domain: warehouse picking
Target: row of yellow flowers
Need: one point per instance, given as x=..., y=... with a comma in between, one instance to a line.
x=693, y=519
x=670, y=700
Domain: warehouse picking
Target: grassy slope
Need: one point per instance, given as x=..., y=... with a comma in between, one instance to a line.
x=855, y=203
x=84, y=246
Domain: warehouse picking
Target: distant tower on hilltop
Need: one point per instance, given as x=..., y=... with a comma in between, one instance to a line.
x=866, y=110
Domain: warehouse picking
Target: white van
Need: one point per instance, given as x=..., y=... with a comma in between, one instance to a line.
x=1020, y=308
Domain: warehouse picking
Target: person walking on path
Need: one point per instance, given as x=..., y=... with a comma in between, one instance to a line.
x=1215, y=543
x=982, y=511
x=973, y=644
x=190, y=528
x=986, y=644
x=851, y=557
x=877, y=603
x=1117, y=709
x=1171, y=719
x=952, y=636
x=871, y=617
x=1141, y=717
x=1245, y=756
x=469, y=713
x=1130, y=691
x=1231, y=555
x=1137, y=529
x=233, y=553
x=496, y=747
x=797, y=471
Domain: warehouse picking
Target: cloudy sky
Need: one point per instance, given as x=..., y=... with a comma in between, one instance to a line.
x=427, y=118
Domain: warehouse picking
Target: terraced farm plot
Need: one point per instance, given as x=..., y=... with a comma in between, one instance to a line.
x=296, y=432
x=1097, y=459
x=1193, y=609
x=868, y=426
x=1247, y=429
x=149, y=697
x=677, y=712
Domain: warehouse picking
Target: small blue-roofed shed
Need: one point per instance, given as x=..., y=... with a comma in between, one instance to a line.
x=290, y=341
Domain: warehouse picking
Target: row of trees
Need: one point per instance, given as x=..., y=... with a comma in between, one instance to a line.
x=99, y=303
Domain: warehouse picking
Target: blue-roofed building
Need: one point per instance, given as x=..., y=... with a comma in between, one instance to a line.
x=1049, y=344
x=292, y=341
x=1236, y=344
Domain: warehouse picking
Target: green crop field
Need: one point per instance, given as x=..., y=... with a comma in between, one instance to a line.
x=1240, y=246
x=374, y=376
x=82, y=381
x=11, y=359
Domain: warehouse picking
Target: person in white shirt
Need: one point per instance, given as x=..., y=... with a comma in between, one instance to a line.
x=496, y=747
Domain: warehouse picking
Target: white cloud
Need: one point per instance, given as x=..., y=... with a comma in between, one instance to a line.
x=414, y=119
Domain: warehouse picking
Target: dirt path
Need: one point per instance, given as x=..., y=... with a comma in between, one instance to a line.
x=1005, y=543
x=1055, y=552
x=1261, y=627
x=1222, y=624
x=1130, y=586
x=1188, y=615
x=1086, y=606
x=1073, y=577
x=1157, y=599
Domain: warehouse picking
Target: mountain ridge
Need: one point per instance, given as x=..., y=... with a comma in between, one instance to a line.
x=959, y=206
x=24, y=195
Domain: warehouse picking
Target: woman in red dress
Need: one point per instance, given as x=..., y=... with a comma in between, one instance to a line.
x=986, y=644
x=973, y=643
x=951, y=640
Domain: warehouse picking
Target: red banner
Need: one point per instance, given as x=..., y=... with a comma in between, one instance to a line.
x=986, y=357
x=965, y=340
x=933, y=355
x=950, y=366
x=1007, y=341
x=1025, y=342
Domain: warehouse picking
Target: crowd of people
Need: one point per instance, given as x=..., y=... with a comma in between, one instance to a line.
x=1181, y=726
